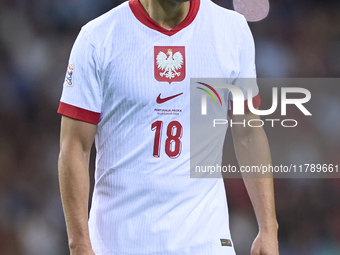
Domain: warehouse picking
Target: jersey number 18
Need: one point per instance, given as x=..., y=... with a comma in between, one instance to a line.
x=173, y=144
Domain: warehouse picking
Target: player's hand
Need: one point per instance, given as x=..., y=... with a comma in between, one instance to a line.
x=265, y=243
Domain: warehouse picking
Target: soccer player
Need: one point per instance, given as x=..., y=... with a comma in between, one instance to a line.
x=128, y=70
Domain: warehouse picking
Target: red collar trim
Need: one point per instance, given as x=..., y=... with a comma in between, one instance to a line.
x=139, y=12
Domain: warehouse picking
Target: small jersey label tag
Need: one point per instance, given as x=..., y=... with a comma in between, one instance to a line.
x=226, y=242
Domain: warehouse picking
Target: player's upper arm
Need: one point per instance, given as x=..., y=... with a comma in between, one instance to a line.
x=76, y=135
x=246, y=81
x=240, y=131
x=246, y=52
x=82, y=89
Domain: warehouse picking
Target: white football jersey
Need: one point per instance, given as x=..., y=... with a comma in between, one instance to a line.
x=131, y=77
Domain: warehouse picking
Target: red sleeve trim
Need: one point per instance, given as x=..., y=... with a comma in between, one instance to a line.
x=78, y=113
x=256, y=102
x=139, y=12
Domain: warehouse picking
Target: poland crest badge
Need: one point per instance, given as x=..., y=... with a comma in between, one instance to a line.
x=169, y=63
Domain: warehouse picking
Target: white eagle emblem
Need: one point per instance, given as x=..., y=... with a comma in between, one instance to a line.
x=169, y=64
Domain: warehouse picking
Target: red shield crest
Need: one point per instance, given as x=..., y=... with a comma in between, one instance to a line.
x=169, y=63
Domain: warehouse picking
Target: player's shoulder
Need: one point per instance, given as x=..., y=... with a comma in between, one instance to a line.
x=100, y=26
x=222, y=15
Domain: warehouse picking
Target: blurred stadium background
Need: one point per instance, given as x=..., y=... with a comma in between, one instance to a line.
x=298, y=39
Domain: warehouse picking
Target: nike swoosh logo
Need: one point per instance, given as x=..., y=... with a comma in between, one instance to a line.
x=160, y=100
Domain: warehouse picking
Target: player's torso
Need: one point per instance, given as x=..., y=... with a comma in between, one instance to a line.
x=143, y=192
x=146, y=83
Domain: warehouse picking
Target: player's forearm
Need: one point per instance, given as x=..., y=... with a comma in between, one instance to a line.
x=252, y=149
x=261, y=193
x=74, y=188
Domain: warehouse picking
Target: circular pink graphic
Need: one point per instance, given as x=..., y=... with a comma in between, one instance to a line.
x=253, y=10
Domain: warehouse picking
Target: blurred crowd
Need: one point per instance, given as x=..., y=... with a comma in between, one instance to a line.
x=297, y=39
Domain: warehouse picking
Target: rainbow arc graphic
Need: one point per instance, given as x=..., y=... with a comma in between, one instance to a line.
x=209, y=93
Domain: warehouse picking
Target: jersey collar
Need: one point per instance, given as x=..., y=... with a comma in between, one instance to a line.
x=139, y=12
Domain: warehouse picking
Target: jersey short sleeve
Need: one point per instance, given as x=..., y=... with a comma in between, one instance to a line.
x=82, y=96
x=247, y=70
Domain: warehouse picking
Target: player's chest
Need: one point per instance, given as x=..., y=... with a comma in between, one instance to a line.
x=153, y=74
x=168, y=62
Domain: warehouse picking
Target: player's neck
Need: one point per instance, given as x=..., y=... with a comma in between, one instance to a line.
x=166, y=13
